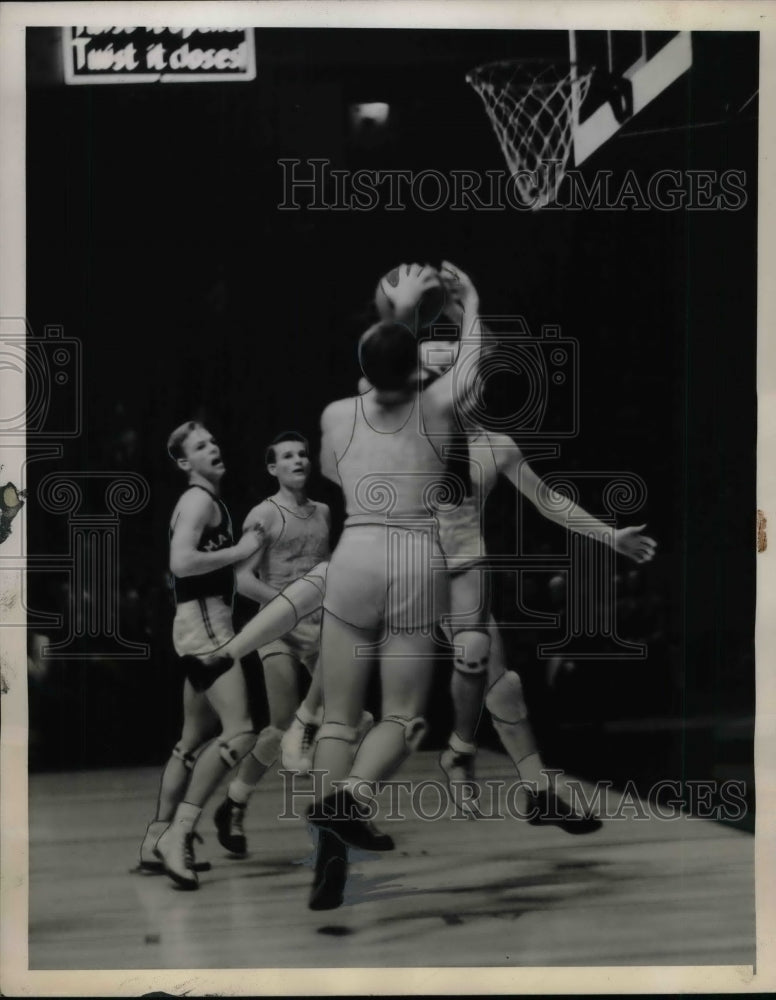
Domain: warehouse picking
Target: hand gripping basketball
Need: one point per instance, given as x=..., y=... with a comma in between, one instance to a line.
x=412, y=294
x=460, y=287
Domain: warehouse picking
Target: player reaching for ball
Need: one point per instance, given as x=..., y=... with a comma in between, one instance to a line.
x=398, y=300
x=202, y=557
x=386, y=586
x=479, y=660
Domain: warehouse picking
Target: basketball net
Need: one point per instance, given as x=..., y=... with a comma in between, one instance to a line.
x=533, y=106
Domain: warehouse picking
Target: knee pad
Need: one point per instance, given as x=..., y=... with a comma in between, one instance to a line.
x=267, y=745
x=186, y=757
x=414, y=729
x=305, y=595
x=474, y=656
x=236, y=747
x=338, y=731
x=505, y=700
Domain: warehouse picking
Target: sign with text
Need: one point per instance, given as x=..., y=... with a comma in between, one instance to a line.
x=158, y=55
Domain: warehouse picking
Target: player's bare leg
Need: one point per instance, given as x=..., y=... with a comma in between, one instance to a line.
x=200, y=724
x=298, y=744
x=228, y=697
x=506, y=704
x=406, y=674
x=344, y=679
x=471, y=656
x=282, y=684
x=281, y=615
x=467, y=691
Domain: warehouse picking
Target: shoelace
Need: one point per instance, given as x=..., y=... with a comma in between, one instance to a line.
x=236, y=818
x=464, y=761
x=188, y=849
x=308, y=735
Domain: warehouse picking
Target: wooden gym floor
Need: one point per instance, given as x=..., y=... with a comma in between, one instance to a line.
x=453, y=893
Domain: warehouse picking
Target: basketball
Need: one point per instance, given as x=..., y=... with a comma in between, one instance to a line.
x=427, y=310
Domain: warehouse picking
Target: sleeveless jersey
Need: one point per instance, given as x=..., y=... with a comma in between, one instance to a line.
x=303, y=542
x=460, y=527
x=389, y=473
x=220, y=582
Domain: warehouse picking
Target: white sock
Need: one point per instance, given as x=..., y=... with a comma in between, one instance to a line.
x=530, y=768
x=240, y=791
x=305, y=716
x=457, y=745
x=186, y=815
x=361, y=790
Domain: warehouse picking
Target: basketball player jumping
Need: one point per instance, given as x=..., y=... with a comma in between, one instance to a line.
x=386, y=587
x=479, y=661
x=202, y=554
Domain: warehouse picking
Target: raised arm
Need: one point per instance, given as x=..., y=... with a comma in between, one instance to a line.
x=263, y=518
x=450, y=391
x=194, y=511
x=630, y=542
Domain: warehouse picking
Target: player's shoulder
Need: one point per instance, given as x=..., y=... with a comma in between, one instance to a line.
x=264, y=513
x=195, y=501
x=338, y=410
x=321, y=508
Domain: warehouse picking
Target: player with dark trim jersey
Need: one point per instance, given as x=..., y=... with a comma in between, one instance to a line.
x=218, y=582
x=202, y=556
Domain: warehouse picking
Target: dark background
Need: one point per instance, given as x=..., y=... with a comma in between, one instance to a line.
x=154, y=237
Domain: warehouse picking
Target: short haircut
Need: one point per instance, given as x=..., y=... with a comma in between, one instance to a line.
x=269, y=455
x=178, y=437
x=388, y=354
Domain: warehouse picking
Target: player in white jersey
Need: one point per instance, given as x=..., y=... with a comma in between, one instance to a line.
x=479, y=659
x=295, y=538
x=386, y=587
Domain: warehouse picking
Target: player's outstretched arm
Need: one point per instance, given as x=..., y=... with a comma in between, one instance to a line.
x=194, y=511
x=630, y=542
x=450, y=391
x=263, y=518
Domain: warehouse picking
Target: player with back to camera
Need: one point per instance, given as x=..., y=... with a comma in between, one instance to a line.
x=294, y=532
x=386, y=586
x=202, y=557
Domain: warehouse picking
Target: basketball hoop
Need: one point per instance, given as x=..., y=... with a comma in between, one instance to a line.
x=533, y=106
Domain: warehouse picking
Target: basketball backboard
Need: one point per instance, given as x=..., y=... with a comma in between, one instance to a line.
x=542, y=110
x=630, y=69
